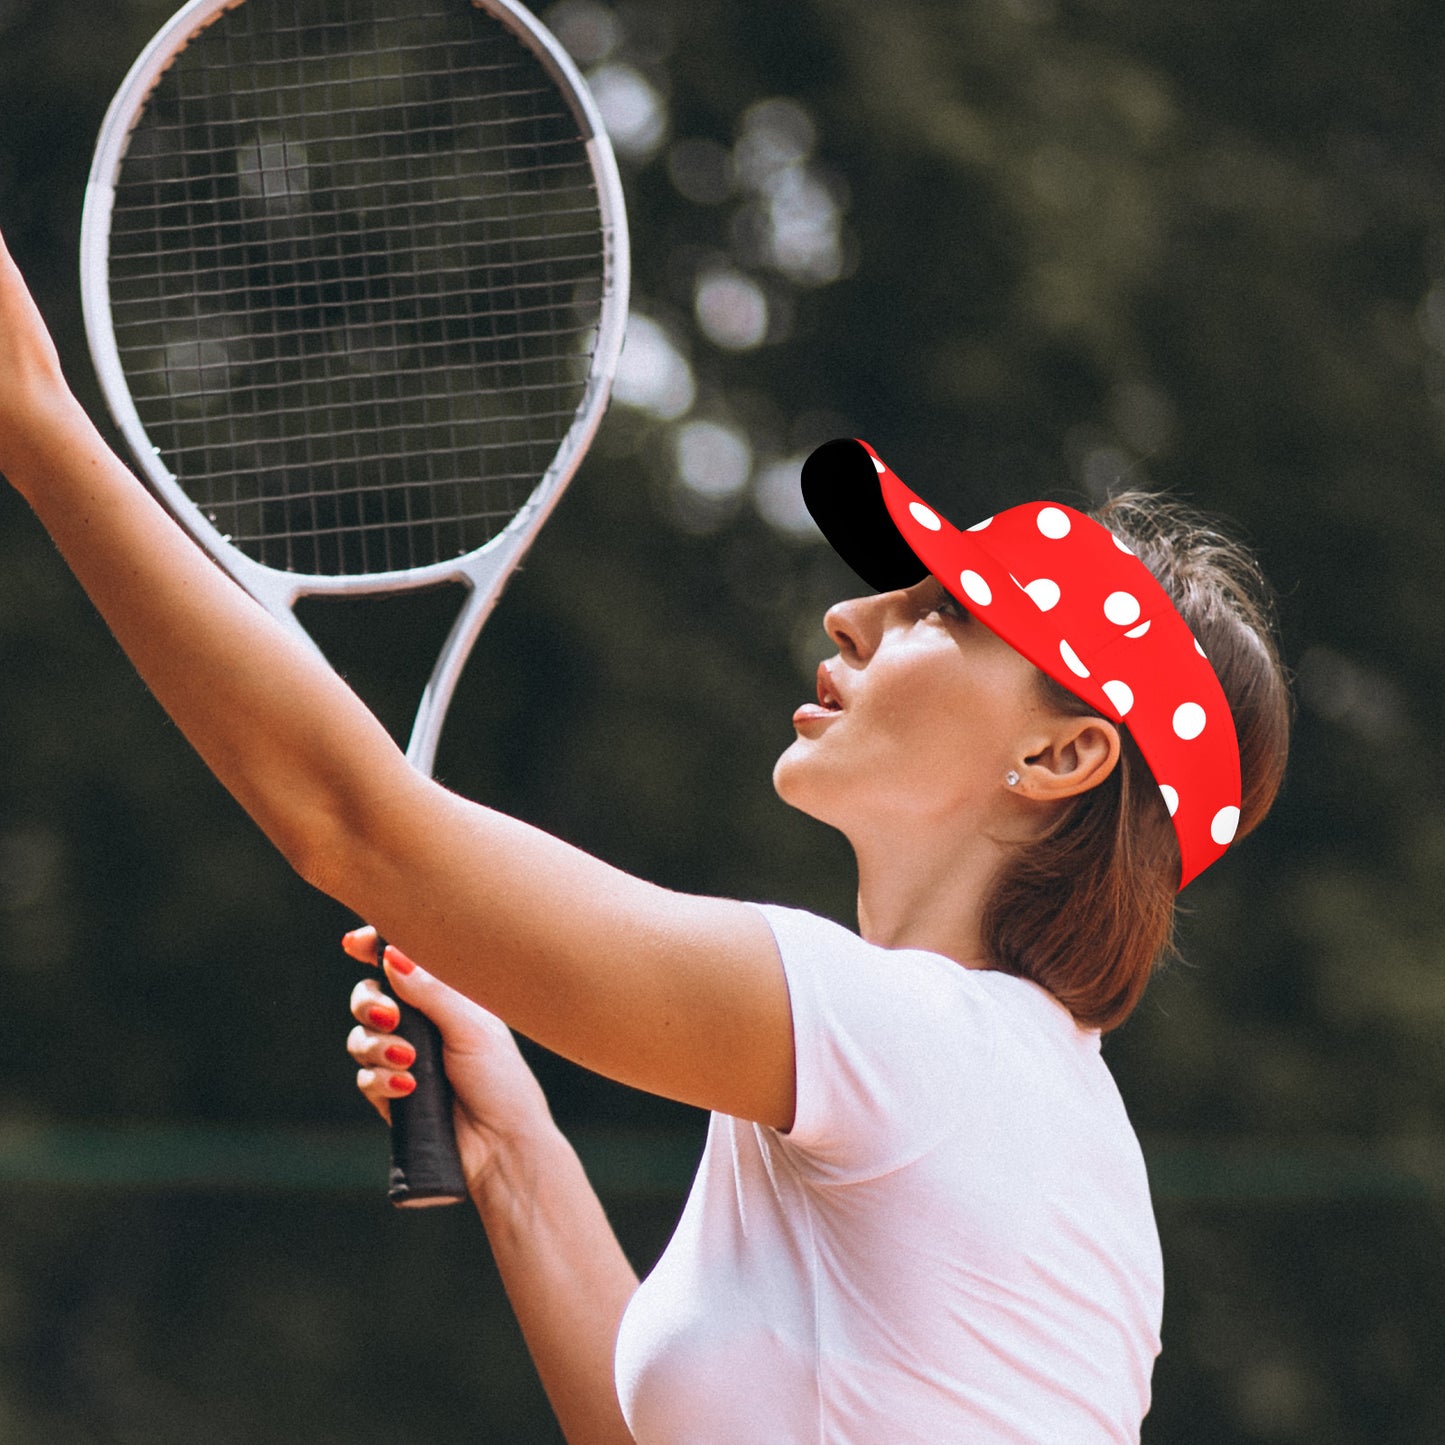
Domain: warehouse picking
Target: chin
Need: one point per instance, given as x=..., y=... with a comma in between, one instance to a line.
x=783, y=770
x=798, y=784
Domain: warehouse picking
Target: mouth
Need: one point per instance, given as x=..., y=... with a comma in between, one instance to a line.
x=829, y=704
x=828, y=698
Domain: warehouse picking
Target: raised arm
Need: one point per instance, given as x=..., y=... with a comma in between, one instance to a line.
x=681, y=996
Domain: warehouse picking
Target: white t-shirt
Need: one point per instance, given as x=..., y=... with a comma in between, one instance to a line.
x=953, y=1243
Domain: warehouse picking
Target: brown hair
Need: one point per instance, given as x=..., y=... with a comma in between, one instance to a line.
x=1087, y=910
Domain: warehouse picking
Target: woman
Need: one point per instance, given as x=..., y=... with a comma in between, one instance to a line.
x=922, y=1214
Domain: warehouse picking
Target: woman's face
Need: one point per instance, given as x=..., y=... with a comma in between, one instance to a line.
x=920, y=715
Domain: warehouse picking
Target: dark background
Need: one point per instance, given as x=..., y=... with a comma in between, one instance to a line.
x=1025, y=247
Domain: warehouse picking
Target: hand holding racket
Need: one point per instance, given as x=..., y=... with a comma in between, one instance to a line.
x=355, y=283
x=499, y=1105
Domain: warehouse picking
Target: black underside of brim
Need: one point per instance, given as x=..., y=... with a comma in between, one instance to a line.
x=841, y=489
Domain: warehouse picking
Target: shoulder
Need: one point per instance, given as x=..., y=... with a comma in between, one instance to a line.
x=889, y=1044
x=824, y=957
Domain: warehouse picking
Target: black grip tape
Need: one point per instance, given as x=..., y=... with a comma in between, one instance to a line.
x=425, y=1166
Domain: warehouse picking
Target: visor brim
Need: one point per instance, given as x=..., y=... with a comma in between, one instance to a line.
x=842, y=491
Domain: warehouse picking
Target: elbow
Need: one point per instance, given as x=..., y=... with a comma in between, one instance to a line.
x=344, y=844
x=319, y=846
x=316, y=826
x=322, y=865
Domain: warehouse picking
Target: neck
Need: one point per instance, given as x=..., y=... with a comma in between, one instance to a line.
x=918, y=890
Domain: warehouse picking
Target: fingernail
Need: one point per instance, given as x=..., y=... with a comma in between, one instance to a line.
x=383, y=1018
x=400, y=1055
x=403, y=1083
x=396, y=959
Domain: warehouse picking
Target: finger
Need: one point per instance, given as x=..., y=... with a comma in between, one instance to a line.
x=370, y=1006
x=379, y=1051
x=448, y=1009
x=373, y=1093
x=385, y=1084
x=360, y=944
x=380, y=1086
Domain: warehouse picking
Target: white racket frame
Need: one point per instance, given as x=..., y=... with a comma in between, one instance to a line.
x=483, y=572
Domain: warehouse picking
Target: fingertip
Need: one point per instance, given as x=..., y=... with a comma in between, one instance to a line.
x=396, y=961
x=360, y=944
x=379, y=1084
x=366, y=995
x=383, y=1016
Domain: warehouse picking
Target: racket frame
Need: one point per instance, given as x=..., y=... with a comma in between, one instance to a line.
x=484, y=571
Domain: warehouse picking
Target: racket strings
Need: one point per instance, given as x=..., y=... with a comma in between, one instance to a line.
x=356, y=275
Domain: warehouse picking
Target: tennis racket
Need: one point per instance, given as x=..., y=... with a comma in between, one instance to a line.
x=355, y=280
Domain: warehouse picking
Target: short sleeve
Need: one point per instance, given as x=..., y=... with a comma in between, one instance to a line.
x=888, y=1044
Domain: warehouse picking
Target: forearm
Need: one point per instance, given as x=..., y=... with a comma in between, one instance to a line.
x=567, y=1278
x=280, y=730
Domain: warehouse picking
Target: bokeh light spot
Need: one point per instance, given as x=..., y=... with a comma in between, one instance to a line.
x=713, y=460
x=589, y=32
x=731, y=310
x=632, y=110
x=653, y=375
x=778, y=497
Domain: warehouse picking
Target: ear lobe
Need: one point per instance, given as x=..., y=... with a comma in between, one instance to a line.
x=1081, y=754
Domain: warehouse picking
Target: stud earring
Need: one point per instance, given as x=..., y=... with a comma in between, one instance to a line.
x=1011, y=778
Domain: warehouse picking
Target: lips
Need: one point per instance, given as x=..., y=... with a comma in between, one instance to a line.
x=828, y=706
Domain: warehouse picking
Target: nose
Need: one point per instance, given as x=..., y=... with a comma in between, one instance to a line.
x=856, y=626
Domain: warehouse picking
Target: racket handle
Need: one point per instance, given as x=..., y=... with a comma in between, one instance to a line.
x=426, y=1169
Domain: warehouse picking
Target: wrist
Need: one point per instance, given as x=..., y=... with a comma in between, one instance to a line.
x=520, y=1169
x=49, y=438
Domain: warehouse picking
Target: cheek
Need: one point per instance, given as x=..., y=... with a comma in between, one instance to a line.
x=928, y=729
x=958, y=728
x=922, y=740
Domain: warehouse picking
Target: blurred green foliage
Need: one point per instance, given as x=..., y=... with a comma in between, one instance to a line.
x=1024, y=247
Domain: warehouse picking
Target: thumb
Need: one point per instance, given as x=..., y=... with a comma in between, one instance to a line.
x=452, y=1012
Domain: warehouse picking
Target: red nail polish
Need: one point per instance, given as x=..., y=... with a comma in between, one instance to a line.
x=400, y=1055
x=403, y=1083
x=383, y=1018
x=397, y=960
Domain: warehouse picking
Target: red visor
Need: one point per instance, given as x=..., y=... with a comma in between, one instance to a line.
x=1062, y=590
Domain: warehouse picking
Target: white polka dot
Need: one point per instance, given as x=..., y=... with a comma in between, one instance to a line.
x=1171, y=798
x=1224, y=826
x=1200, y=650
x=1120, y=545
x=979, y=526
x=977, y=589
x=1140, y=630
x=1122, y=608
x=924, y=516
x=1054, y=523
x=1188, y=720
x=878, y=465
x=1071, y=660
x=1120, y=694
x=1045, y=593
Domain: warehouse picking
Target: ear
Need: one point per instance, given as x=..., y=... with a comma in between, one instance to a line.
x=1078, y=754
